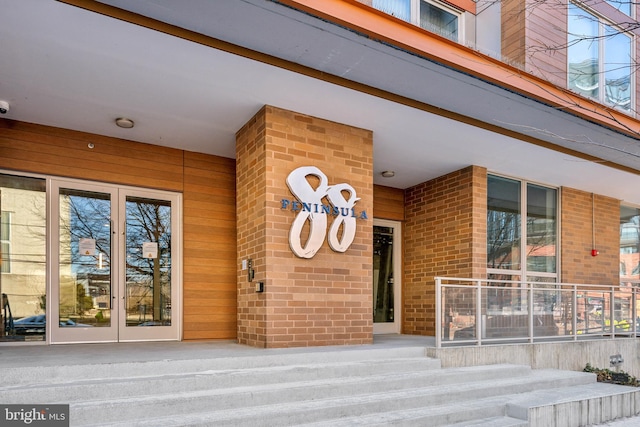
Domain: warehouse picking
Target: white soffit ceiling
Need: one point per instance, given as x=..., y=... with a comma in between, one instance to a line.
x=67, y=67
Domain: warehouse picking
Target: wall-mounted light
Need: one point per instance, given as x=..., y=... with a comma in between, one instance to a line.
x=124, y=123
x=388, y=174
x=616, y=360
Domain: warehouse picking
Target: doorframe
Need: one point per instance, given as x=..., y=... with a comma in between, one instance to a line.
x=52, y=253
x=153, y=333
x=395, y=326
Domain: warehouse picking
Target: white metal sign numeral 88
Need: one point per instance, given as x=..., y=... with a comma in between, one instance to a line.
x=300, y=187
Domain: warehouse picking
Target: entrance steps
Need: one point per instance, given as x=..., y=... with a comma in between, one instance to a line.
x=332, y=387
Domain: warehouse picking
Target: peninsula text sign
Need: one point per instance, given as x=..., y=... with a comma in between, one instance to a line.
x=311, y=207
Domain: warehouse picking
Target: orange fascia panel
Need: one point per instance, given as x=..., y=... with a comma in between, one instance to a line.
x=380, y=26
x=466, y=5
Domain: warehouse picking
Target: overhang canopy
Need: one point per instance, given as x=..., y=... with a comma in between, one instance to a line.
x=191, y=74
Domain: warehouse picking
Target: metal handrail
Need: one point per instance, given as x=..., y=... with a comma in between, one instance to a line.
x=563, y=314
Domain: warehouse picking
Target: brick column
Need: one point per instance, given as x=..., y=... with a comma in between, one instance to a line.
x=445, y=235
x=323, y=300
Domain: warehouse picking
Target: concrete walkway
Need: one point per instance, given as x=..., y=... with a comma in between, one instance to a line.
x=623, y=422
x=23, y=355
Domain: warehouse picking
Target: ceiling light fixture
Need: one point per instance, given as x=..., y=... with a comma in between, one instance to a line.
x=388, y=174
x=124, y=123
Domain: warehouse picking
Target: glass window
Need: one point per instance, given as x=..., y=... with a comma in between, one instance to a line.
x=510, y=222
x=5, y=239
x=398, y=8
x=599, y=56
x=629, y=244
x=503, y=223
x=623, y=6
x=541, y=229
x=617, y=68
x=23, y=245
x=439, y=21
x=430, y=15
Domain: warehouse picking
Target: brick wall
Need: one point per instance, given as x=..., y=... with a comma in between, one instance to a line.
x=579, y=209
x=445, y=235
x=324, y=300
x=251, y=229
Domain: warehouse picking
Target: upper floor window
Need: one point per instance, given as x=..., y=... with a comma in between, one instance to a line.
x=521, y=229
x=623, y=6
x=430, y=15
x=600, y=59
x=629, y=244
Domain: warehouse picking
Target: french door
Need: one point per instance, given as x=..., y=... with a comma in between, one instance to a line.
x=115, y=263
x=386, y=276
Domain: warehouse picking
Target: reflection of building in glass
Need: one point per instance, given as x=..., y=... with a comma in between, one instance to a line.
x=630, y=245
x=599, y=56
x=23, y=268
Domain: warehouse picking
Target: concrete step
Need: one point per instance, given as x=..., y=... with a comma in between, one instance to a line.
x=305, y=401
x=321, y=414
x=393, y=373
x=269, y=358
x=493, y=422
x=576, y=406
x=332, y=387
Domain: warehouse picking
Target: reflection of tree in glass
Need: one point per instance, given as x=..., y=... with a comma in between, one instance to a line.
x=85, y=215
x=88, y=218
x=148, y=277
x=503, y=234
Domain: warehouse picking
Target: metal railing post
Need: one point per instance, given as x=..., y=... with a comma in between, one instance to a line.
x=479, y=312
x=438, y=312
x=634, y=306
x=612, y=307
x=574, y=314
x=529, y=291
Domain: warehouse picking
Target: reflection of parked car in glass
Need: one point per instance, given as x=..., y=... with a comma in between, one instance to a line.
x=32, y=325
x=156, y=323
x=36, y=325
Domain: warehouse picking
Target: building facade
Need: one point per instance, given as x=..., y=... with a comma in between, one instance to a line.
x=322, y=164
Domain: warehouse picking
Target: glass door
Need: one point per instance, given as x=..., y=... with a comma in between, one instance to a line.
x=83, y=295
x=386, y=277
x=113, y=256
x=149, y=292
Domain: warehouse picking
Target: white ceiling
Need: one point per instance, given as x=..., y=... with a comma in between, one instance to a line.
x=67, y=67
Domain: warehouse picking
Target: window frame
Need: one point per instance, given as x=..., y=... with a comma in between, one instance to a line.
x=617, y=5
x=601, y=40
x=523, y=273
x=624, y=278
x=414, y=16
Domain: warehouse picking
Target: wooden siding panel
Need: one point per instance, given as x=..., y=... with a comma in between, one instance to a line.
x=546, y=38
x=206, y=182
x=210, y=247
x=28, y=147
x=388, y=203
x=513, y=31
